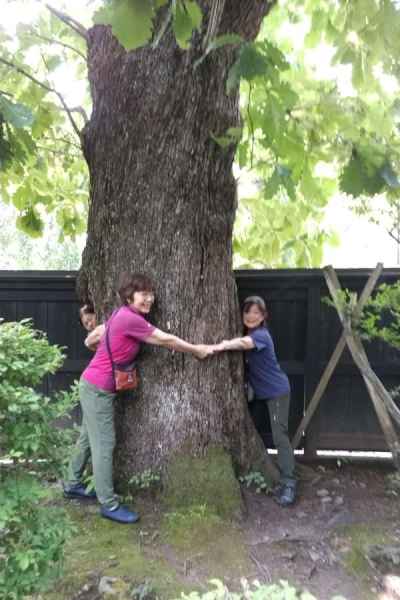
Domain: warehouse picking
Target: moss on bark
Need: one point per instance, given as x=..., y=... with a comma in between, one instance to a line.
x=207, y=481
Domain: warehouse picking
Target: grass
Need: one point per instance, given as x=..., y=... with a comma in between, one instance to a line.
x=101, y=547
x=173, y=553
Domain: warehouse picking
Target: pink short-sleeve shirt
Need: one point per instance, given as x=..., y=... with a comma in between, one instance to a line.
x=127, y=329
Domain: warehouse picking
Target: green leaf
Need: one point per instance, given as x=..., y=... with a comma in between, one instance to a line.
x=187, y=16
x=131, y=21
x=30, y=223
x=227, y=39
x=14, y=113
x=357, y=179
x=250, y=64
x=232, y=136
x=52, y=62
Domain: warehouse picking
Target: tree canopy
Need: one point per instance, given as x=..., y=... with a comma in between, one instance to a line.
x=320, y=114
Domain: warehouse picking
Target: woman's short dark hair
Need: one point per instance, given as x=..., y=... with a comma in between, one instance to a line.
x=129, y=283
x=86, y=309
x=259, y=302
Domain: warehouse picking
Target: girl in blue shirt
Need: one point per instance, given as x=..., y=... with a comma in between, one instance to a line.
x=270, y=384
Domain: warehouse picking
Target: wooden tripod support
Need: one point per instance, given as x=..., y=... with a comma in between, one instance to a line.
x=381, y=399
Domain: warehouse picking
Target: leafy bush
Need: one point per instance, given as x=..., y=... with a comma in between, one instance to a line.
x=32, y=537
x=256, y=479
x=32, y=532
x=145, y=480
x=381, y=315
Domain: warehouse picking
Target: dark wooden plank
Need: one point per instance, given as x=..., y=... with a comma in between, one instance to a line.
x=305, y=335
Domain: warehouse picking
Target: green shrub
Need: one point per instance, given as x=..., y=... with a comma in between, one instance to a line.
x=256, y=479
x=381, y=315
x=145, y=480
x=32, y=537
x=32, y=532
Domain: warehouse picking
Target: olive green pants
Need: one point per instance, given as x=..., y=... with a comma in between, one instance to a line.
x=97, y=439
x=278, y=409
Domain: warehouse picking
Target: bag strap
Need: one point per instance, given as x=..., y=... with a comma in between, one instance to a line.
x=108, y=343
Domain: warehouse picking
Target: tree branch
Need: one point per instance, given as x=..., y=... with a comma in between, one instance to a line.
x=46, y=87
x=63, y=140
x=75, y=25
x=57, y=151
x=59, y=43
x=81, y=111
x=395, y=237
x=251, y=125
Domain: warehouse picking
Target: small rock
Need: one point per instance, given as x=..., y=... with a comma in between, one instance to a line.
x=289, y=555
x=154, y=536
x=332, y=559
x=363, y=485
x=315, y=480
x=384, y=556
x=144, y=591
x=326, y=499
x=322, y=492
x=301, y=514
x=391, y=586
x=336, y=481
x=113, y=587
x=314, y=555
x=339, y=500
x=312, y=571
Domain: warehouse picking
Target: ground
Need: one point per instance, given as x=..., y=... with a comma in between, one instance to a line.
x=320, y=544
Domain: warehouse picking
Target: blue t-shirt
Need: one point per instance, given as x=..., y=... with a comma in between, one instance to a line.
x=263, y=371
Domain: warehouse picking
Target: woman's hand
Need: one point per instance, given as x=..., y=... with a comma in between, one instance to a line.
x=221, y=347
x=202, y=351
x=94, y=337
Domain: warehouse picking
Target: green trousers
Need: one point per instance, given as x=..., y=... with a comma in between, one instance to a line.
x=97, y=439
x=278, y=409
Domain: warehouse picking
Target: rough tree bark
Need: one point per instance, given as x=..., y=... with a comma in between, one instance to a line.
x=163, y=201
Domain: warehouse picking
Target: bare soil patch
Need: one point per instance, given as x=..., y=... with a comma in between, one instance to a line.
x=319, y=543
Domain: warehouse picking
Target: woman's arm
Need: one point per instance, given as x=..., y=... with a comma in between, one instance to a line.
x=243, y=343
x=167, y=340
x=94, y=337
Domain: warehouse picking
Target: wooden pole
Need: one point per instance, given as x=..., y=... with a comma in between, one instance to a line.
x=321, y=387
x=362, y=363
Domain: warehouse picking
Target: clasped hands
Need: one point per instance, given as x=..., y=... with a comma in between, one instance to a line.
x=205, y=350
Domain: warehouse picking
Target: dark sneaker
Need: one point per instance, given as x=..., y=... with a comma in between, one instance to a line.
x=79, y=491
x=287, y=494
x=120, y=514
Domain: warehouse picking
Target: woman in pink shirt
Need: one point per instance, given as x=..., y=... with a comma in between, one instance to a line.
x=127, y=329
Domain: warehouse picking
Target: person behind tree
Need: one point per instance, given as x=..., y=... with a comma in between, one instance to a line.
x=87, y=318
x=127, y=329
x=270, y=385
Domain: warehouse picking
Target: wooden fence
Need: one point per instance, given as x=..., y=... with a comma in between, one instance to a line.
x=305, y=331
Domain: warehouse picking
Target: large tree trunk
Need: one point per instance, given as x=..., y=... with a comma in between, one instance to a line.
x=163, y=201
